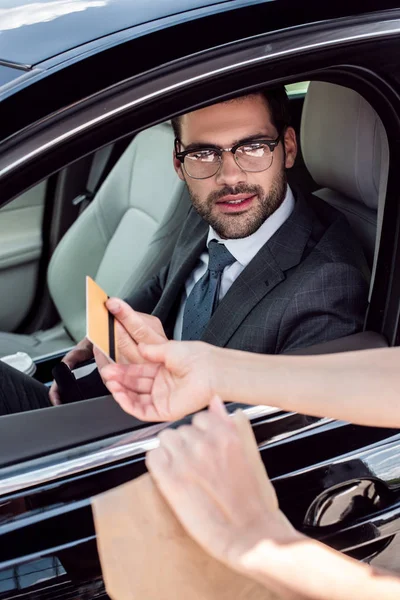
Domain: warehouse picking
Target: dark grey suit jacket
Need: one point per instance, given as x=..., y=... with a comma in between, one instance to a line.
x=308, y=284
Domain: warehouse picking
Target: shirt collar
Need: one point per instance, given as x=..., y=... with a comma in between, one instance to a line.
x=245, y=249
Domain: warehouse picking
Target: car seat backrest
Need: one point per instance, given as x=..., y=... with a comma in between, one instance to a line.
x=128, y=231
x=346, y=151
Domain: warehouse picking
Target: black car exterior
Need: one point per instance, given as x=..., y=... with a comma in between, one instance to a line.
x=87, y=78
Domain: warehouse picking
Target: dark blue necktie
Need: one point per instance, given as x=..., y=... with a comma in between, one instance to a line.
x=203, y=298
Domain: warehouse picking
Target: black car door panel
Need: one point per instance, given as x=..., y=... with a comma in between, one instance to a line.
x=350, y=499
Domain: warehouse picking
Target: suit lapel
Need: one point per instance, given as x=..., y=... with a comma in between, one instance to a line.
x=267, y=269
x=186, y=255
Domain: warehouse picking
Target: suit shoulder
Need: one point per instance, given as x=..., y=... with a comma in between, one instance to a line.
x=338, y=243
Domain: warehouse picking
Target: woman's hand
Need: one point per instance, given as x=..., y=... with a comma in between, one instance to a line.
x=204, y=474
x=175, y=380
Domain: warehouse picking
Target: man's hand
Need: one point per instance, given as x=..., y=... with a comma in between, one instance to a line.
x=176, y=380
x=204, y=474
x=82, y=352
x=131, y=328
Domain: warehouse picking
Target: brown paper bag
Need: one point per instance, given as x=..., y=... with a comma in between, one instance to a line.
x=146, y=554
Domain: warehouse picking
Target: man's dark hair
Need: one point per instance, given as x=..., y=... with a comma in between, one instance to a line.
x=276, y=99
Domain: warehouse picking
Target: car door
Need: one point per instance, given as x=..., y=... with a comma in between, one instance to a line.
x=20, y=251
x=349, y=498
x=335, y=481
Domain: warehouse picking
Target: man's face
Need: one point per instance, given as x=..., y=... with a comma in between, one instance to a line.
x=234, y=202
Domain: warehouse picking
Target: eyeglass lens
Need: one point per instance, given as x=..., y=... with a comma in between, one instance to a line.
x=205, y=163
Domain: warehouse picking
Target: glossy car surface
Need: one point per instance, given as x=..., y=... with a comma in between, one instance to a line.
x=77, y=76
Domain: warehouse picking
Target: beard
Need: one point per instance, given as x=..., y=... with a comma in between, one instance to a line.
x=241, y=225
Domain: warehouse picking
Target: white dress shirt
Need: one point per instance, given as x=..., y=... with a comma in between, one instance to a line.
x=242, y=249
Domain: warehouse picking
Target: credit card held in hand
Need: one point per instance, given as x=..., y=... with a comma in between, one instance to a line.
x=100, y=323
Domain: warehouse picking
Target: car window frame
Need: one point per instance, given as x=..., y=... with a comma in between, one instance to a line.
x=42, y=137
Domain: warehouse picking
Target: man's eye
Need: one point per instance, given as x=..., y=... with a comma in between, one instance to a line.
x=252, y=149
x=202, y=155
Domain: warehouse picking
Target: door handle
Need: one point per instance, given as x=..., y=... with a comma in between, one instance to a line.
x=368, y=529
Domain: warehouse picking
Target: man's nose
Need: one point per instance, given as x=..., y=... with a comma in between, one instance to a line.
x=230, y=173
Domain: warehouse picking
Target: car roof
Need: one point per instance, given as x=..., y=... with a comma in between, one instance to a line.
x=32, y=32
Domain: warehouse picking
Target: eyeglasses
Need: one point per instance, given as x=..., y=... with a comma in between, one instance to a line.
x=253, y=156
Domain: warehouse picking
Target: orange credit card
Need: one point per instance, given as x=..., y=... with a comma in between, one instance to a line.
x=100, y=323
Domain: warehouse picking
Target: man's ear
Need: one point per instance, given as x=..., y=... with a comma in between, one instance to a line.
x=290, y=143
x=178, y=166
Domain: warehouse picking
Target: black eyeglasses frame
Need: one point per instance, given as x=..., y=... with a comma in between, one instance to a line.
x=272, y=144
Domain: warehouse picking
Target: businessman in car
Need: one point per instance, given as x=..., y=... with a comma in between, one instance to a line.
x=255, y=267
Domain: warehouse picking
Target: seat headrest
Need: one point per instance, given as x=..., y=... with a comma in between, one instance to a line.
x=343, y=142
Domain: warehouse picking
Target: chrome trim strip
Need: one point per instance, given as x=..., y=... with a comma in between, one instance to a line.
x=305, y=429
x=97, y=454
x=14, y=65
x=379, y=457
x=345, y=34
x=25, y=559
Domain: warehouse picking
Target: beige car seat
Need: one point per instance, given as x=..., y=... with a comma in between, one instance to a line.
x=346, y=151
x=124, y=237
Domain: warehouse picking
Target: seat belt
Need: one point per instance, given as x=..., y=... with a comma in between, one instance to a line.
x=103, y=162
x=98, y=172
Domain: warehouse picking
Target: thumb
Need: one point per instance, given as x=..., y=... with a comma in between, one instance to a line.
x=156, y=353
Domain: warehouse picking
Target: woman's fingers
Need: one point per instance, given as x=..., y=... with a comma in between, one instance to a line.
x=211, y=421
x=139, y=406
x=134, y=387
x=139, y=386
x=128, y=375
x=101, y=360
x=154, y=353
x=138, y=399
x=217, y=407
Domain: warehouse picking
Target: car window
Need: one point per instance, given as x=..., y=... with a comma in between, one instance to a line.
x=297, y=89
x=127, y=234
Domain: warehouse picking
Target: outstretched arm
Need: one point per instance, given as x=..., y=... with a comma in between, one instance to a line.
x=362, y=387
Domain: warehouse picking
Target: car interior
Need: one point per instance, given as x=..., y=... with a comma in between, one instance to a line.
x=123, y=236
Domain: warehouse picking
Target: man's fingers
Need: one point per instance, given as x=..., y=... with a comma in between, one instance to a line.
x=54, y=395
x=135, y=324
x=81, y=353
x=126, y=346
